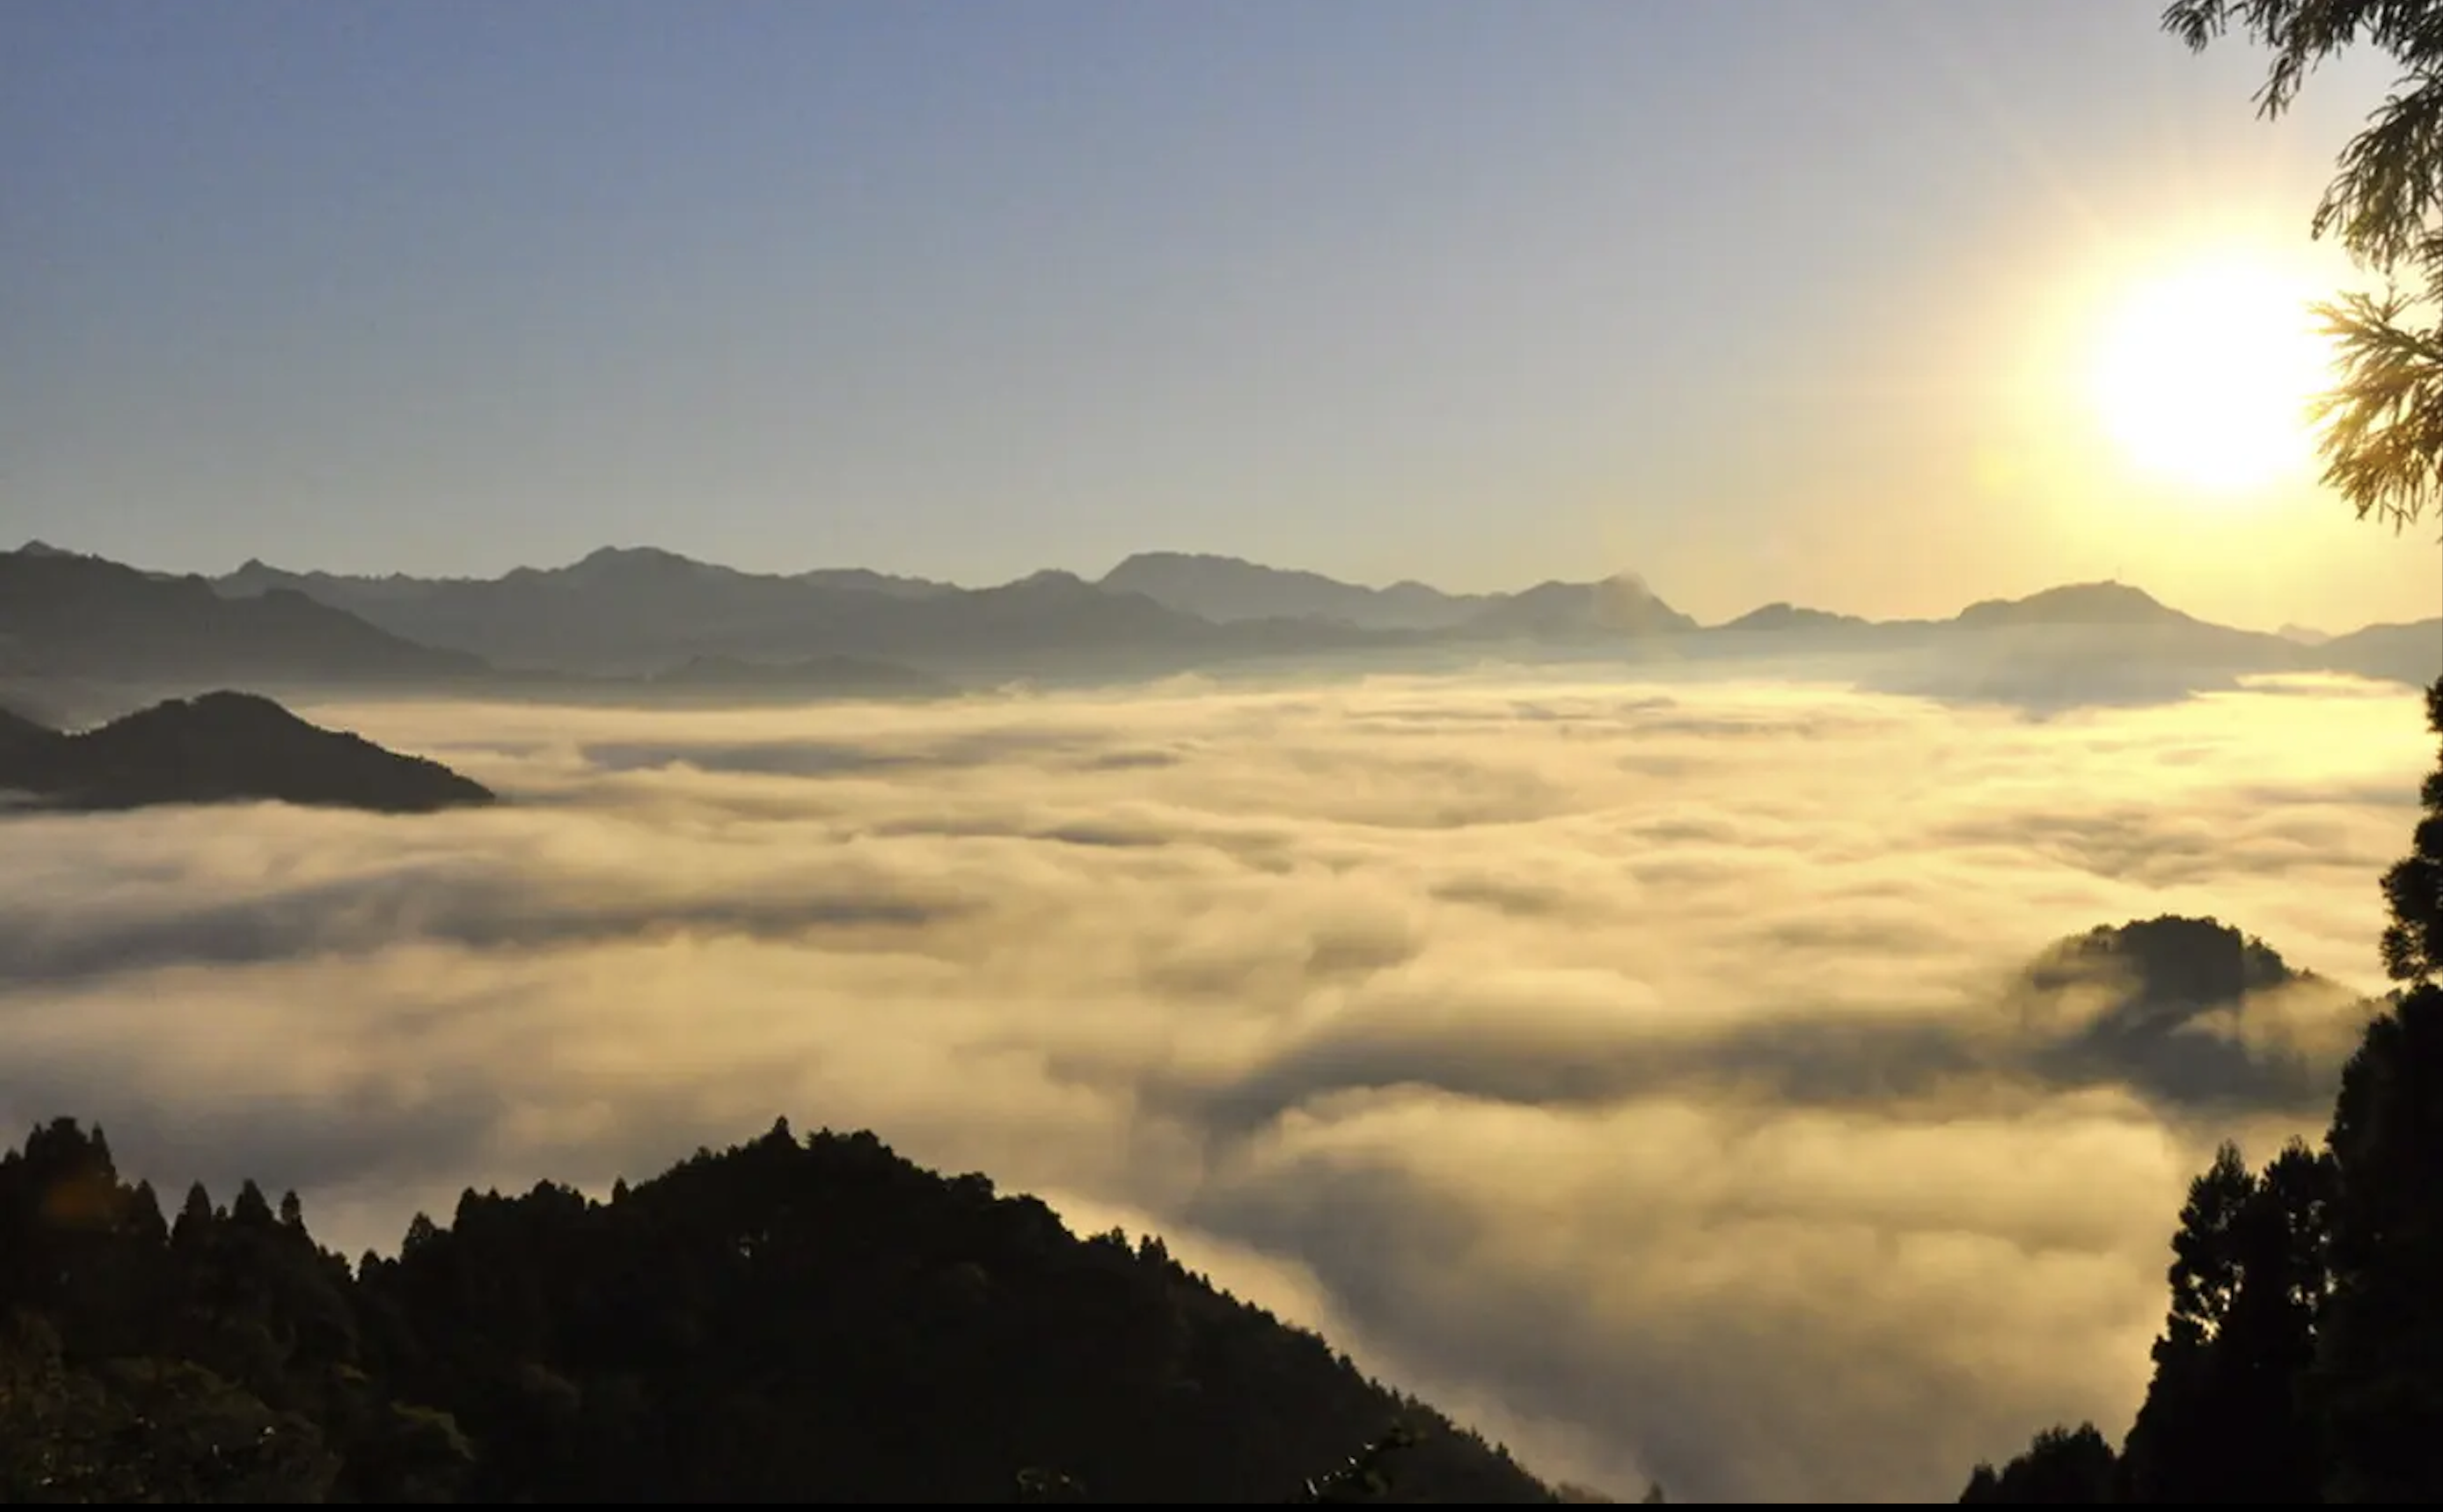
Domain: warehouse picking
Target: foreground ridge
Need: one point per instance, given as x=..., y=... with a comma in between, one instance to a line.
x=785, y=1320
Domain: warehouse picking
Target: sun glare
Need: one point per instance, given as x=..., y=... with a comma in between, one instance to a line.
x=2204, y=377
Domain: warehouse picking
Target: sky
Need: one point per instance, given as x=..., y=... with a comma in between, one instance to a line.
x=1760, y=299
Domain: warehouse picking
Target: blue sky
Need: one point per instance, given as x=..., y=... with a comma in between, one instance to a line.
x=1763, y=299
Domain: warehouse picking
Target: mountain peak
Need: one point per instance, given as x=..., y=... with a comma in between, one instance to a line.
x=223, y=747
x=606, y=555
x=1226, y=589
x=1618, y=604
x=2100, y=603
x=1170, y=558
x=2155, y=1004
x=1050, y=579
x=1781, y=615
x=650, y=563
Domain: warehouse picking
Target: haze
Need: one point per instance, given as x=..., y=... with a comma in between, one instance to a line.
x=1842, y=468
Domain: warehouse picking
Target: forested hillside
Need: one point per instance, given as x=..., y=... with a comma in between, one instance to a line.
x=791, y=1320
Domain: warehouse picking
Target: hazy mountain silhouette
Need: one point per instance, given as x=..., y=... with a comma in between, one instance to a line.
x=257, y=576
x=2129, y=621
x=2397, y=653
x=1616, y=605
x=672, y=624
x=636, y=611
x=2074, y=604
x=221, y=747
x=787, y=1320
x=1780, y=618
x=68, y=615
x=619, y=609
x=1223, y=589
x=2189, y=1010
x=2081, y=645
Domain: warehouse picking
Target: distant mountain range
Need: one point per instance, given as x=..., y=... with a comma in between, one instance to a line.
x=65, y=616
x=1223, y=589
x=222, y=747
x=643, y=622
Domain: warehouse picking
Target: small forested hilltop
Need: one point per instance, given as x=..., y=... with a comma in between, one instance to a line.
x=789, y=1319
x=2302, y=1355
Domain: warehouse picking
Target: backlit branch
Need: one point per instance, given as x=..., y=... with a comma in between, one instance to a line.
x=2383, y=444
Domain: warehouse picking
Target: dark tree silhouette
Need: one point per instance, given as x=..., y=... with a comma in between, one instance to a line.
x=2301, y=1357
x=2222, y=1420
x=2378, y=1383
x=2383, y=447
x=787, y=1321
x=2063, y=1465
x=2413, y=889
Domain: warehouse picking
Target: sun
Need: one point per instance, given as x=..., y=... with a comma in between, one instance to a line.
x=2204, y=377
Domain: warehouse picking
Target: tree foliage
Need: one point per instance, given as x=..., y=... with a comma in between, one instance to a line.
x=785, y=1320
x=2413, y=889
x=2063, y=1465
x=2383, y=439
x=2302, y=1352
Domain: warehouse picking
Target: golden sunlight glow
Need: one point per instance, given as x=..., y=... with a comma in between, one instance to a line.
x=2204, y=376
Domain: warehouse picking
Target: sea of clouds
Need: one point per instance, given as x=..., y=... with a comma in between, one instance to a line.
x=1640, y=1072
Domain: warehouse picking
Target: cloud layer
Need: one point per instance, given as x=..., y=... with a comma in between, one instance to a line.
x=1641, y=1069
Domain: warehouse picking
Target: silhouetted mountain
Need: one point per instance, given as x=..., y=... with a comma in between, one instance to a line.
x=2396, y=653
x=2188, y=1011
x=788, y=1321
x=82, y=616
x=2302, y=635
x=2173, y=967
x=221, y=747
x=1620, y=606
x=1223, y=589
x=2074, y=604
x=617, y=610
x=2083, y=645
x=1052, y=618
x=1785, y=618
x=634, y=611
x=874, y=582
x=255, y=577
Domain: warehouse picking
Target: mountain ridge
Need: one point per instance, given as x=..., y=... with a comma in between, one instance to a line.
x=663, y=619
x=219, y=747
x=817, y=1319
x=68, y=614
x=1156, y=575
